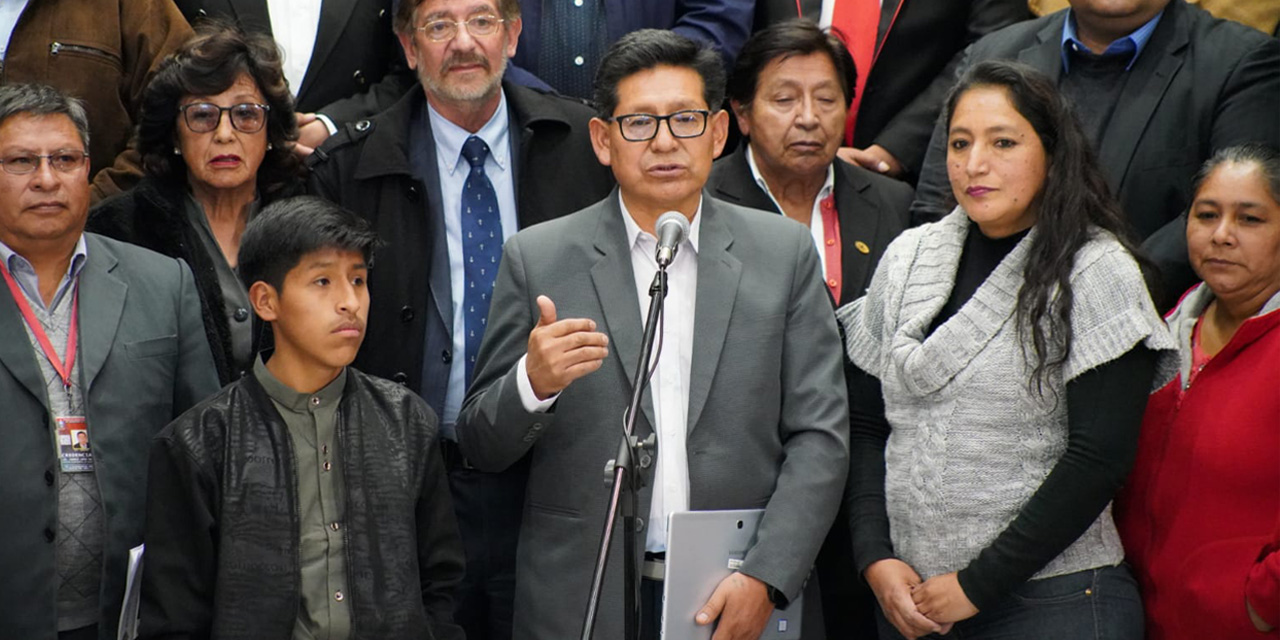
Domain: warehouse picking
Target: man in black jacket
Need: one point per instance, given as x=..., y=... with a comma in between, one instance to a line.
x=307, y=499
x=414, y=172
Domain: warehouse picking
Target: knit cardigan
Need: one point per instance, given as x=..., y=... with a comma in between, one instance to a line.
x=971, y=440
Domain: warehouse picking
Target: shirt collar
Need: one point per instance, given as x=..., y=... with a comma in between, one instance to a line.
x=293, y=400
x=450, y=137
x=14, y=261
x=828, y=185
x=634, y=231
x=1130, y=45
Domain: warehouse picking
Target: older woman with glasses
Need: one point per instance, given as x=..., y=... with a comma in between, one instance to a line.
x=215, y=130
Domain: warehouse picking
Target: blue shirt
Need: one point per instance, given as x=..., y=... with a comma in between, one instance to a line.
x=25, y=274
x=1130, y=45
x=453, y=170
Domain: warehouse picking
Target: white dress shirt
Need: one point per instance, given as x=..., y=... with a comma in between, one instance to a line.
x=817, y=228
x=453, y=170
x=669, y=386
x=824, y=20
x=10, y=12
x=294, y=24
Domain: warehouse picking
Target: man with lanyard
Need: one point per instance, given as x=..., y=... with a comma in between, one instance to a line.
x=114, y=350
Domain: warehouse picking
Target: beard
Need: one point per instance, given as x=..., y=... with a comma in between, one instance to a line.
x=441, y=86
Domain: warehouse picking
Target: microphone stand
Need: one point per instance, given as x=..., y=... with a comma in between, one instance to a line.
x=626, y=472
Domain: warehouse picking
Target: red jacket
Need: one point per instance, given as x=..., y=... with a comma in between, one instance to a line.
x=1199, y=514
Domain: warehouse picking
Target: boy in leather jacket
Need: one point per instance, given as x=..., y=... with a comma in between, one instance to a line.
x=308, y=499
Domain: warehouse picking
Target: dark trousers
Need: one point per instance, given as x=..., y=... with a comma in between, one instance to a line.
x=848, y=604
x=1095, y=604
x=489, y=507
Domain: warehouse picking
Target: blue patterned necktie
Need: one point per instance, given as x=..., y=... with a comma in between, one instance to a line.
x=481, y=246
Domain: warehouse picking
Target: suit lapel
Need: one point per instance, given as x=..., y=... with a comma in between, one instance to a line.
x=333, y=19
x=1148, y=80
x=252, y=15
x=737, y=185
x=1046, y=54
x=102, y=297
x=718, y=275
x=859, y=220
x=616, y=289
x=422, y=150
x=16, y=353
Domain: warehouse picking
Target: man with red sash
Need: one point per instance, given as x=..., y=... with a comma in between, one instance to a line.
x=101, y=345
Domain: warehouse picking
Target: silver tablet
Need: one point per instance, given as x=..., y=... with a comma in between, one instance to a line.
x=703, y=547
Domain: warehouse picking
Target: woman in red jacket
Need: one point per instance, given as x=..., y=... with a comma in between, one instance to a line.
x=1199, y=514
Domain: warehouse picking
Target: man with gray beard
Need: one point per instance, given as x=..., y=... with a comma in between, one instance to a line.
x=445, y=176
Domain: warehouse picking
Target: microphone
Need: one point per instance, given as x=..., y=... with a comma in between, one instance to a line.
x=672, y=229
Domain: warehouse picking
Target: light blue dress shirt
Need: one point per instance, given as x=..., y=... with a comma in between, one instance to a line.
x=25, y=274
x=1130, y=45
x=453, y=170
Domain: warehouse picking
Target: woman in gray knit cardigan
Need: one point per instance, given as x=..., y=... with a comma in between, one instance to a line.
x=1001, y=362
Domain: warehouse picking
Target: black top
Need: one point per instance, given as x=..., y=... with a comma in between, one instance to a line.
x=1104, y=412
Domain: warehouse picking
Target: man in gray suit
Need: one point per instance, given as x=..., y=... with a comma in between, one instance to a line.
x=748, y=404
x=95, y=336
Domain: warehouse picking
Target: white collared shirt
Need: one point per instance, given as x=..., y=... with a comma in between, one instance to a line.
x=453, y=170
x=817, y=227
x=669, y=386
x=294, y=25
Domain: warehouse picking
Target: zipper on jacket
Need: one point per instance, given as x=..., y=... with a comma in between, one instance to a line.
x=61, y=47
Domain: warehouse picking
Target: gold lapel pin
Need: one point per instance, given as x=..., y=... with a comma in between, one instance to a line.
x=862, y=246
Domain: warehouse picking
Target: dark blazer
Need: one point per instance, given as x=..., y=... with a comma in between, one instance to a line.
x=357, y=67
x=367, y=168
x=150, y=215
x=872, y=209
x=1201, y=84
x=723, y=23
x=143, y=360
x=767, y=423
x=922, y=43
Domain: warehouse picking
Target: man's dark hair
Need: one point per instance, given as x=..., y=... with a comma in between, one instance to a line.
x=275, y=241
x=794, y=37
x=43, y=100
x=1074, y=204
x=208, y=64
x=648, y=48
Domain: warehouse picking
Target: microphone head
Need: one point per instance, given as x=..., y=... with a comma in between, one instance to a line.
x=672, y=228
x=676, y=218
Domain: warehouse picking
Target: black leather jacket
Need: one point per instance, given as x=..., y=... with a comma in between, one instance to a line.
x=222, y=519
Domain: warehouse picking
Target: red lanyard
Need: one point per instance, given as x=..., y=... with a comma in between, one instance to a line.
x=64, y=371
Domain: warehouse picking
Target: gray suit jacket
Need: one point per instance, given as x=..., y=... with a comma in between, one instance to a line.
x=144, y=359
x=768, y=416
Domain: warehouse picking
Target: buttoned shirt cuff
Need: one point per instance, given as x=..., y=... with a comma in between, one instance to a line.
x=328, y=124
x=527, y=397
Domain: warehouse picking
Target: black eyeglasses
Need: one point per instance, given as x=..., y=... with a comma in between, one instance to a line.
x=63, y=161
x=638, y=127
x=203, y=117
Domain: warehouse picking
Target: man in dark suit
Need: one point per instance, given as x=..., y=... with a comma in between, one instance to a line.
x=746, y=403
x=1158, y=85
x=562, y=42
x=790, y=91
x=100, y=339
x=341, y=60
x=916, y=41
x=420, y=172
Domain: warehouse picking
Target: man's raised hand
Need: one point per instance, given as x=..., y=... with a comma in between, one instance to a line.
x=561, y=351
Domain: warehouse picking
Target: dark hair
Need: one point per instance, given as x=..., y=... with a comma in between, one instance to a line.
x=1075, y=202
x=794, y=37
x=510, y=10
x=1265, y=157
x=276, y=239
x=43, y=100
x=648, y=48
x=209, y=63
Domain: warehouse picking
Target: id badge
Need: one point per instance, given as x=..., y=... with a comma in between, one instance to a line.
x=74, y=449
